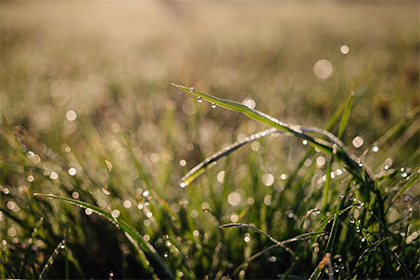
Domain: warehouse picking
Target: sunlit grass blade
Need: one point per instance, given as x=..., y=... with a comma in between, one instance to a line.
x=345, y=117
x=199, y=169
x=295, y=130
x=276, y=242
x=408, y=184
x=249, y=227
x=256, y=115
x=51, y=259
x=145, y=246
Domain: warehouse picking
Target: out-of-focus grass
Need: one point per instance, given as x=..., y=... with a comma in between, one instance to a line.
x=134, y=135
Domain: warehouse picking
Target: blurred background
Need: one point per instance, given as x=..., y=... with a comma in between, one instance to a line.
x=86, y=86
x=113, y=63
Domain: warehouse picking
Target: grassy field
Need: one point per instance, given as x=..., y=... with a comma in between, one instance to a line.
x=89, y=117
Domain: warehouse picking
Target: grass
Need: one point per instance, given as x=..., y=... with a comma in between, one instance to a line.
x=95, y=141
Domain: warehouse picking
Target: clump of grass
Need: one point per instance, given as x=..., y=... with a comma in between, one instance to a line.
x=344, y=218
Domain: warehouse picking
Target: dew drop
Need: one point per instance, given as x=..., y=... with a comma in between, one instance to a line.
x=182, y=185
x=192, y=89
x=304, y=142
x=316, y=212
x=375, y=149
x=213, y=105
x=404, y=174
x=341, y=195
x=361, y=164
x=63, y=246
x=352, y=220
x=357, y=229
x=199, y=99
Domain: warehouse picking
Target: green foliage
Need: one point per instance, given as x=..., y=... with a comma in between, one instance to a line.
x=107, y=171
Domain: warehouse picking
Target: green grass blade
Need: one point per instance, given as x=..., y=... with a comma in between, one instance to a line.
x=145, y=246
x=256, y=115
x=320, y=267
x=277, y=243
x=333, y=233
x=51, y=259
x=328, y=249
x=346, y=116
x=199, y=169
x=294, y=130
x=249, y=227
x=326, y=190
x=413, y=179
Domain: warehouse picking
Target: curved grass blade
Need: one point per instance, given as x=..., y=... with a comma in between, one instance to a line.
x=277, y=243
x=199, y=169
x=251, y=228
x=51, y=259
x=145, y=246
x=256, y=115
x=295, y=130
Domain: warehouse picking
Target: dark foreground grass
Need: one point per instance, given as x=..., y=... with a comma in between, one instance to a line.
x=96, y=145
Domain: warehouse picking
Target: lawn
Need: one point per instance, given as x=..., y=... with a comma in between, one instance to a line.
x=97, y=143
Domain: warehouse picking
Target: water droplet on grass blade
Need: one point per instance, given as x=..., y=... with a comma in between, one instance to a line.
x=375, y=149
x=316, y=212
x=182, y=185
x=199, y=99
x=213, y=105
x=192, y=89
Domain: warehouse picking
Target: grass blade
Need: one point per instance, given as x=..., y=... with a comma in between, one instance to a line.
x=277, y=243
x=328, y=249
x=295, y=130
x=51, y=259
x=145, y=246
x=346, y=116
x=199, y=169
x=320, y=267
